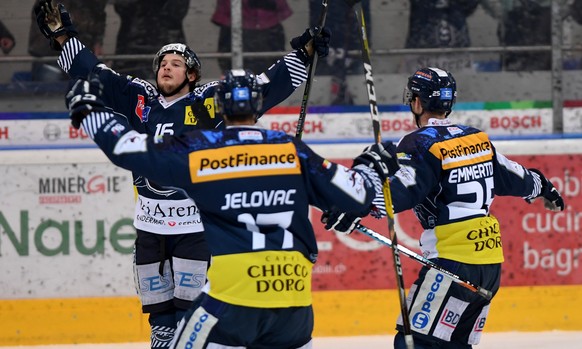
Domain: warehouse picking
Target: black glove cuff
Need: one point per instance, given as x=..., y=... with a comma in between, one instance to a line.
x=55, y=45
x=543, y=179
x=303, y=55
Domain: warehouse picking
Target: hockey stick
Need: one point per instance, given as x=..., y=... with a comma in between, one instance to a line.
x=426, y=262
x=386, y=186
x=310, y=73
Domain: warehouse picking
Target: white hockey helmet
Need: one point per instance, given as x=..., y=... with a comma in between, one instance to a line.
x=190, y=58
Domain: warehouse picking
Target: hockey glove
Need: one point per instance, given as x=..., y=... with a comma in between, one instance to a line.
x=380, y=157
x=553, y=201
x=299, y=42
x=54, y=22
x=343, y=222
x=320, y=42
x=83, y=98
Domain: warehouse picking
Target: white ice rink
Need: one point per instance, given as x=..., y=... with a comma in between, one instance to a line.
x=506, y=340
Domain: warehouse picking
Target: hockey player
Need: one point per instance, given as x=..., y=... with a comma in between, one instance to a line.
x=449, y=176
x=171, y=256
x=254, y=188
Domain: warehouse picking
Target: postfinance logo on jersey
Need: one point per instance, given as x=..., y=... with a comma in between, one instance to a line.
x=242, y=161
x=463, y=151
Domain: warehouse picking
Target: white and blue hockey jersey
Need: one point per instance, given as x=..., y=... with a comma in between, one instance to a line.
x=163, y=210
x=449, y=176
x=254, y=188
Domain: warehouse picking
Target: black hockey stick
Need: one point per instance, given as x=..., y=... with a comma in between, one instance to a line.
x=310, y=72
x=386, y=186
x=426, y=262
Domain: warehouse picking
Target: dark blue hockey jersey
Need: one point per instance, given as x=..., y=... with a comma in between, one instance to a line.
x=449, y=176
x=254, y=188
x=164, y=210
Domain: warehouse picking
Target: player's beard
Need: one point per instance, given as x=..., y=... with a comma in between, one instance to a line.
x=170, y=89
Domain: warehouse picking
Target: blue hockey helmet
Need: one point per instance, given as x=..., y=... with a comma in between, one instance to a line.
x=238, y=93
x=190, y=58
x=435, y=87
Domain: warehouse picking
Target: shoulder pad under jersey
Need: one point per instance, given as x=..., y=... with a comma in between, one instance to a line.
x=150, y=89
x=205, y=90
x=263, y=79
x=420, y=140
x=102, y=66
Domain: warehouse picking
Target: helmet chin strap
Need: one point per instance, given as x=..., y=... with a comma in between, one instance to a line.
x=174, y=91
x=416, y=116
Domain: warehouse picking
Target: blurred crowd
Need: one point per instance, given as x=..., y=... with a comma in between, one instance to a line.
x=145, y=26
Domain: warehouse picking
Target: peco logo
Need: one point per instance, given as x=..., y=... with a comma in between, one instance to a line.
x=196, y=330
x=422, y=318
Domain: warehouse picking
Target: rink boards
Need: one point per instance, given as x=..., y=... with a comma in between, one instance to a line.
x=66, y=241
x=337, y=313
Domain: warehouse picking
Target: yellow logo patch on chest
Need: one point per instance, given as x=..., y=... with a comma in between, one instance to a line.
x=193, y=113
x=189, y=117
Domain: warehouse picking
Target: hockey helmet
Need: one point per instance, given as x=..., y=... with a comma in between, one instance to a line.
x=435, y=87
x=190, y=58
x=238, y=93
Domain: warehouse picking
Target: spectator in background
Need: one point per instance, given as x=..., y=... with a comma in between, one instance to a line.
x=6, y=39
x=576, y=11
x=523, y=23
x=145, y=27
x=89, y=17
x=573, y=60
x=262, y=30
x=439, y=23
x=344, y=26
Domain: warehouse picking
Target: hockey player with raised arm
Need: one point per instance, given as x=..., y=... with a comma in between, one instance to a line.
x=254, y=188
x=449, y=175
x=171, y=256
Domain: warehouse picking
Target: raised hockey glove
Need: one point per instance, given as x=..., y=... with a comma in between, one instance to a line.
x=342, y=222
x=381, y=157
x=83, y=98
x=320, y=42
x=553, y=201
x=300, y=43
x=54, y=22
